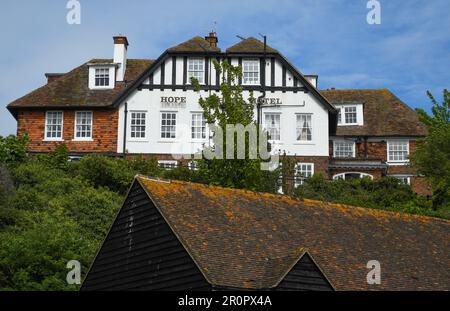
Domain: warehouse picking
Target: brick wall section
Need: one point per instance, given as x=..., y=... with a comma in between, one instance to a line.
x=420, y=185
x=104, y=134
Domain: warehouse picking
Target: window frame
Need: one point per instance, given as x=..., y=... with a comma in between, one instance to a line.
x=299, y=181
x=107, y=70
x=388, y=145
x=361, y=175
x=189, y=71
x=335, y=142
x=401, y=177
x=145, y=138
x=203, y=128
x=162, y=163
x=75, y=138
x=297, y=115
x=341, y=118
x=161, y=125
x=46, y=125
x=258, y=72
x=279, y=124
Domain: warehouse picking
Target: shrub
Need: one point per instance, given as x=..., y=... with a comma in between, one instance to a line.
x=36, y=258
x=113, y=173
x=13, y=149
x=384, y=193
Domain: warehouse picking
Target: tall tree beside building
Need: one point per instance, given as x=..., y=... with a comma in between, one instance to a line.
x=433, y=154
x=231, y=108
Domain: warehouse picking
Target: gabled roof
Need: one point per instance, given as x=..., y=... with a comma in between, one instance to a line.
x=72, y=89
x=195, y=44
x=250, y=45
x=384, y=113
x=244, y=239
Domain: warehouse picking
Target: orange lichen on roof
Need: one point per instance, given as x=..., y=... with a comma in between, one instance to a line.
x=238, y=235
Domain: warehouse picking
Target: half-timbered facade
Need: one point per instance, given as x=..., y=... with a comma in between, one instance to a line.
x=124, y=106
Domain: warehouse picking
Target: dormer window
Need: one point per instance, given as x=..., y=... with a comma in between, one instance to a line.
x=196, y=69
x=350, y=114
x=101, y=76
x=250, y=71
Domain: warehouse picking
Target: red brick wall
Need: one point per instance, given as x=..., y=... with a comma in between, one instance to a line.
x=104, y=131
x=421, y=186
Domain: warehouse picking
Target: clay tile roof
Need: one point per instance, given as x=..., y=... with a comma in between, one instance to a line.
x=250, y=45
x=196, y=44
x=71, y=89
x=236, y=236
x=384, y=113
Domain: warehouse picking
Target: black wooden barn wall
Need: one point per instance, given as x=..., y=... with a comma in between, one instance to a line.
x=142, y=253
x=305, y=275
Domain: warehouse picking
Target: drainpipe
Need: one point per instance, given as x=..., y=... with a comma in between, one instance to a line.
x=125, y=130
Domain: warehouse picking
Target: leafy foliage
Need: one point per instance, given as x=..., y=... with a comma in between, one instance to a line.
x=384, y=193
x=13, y=149
x=230, y=108
x=53, y=210
x=432, y=156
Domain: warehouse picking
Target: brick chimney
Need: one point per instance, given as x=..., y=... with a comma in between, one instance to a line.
x=212, y=39
x=53, y=76
x=120, y=56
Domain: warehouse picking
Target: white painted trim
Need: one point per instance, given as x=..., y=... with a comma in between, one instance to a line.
x=138, y=139
x=257, y=60
x=345, y=141
x=400, y=162
x=296, y=184
x=335, y=177
x=75, y=138
x=62, y=127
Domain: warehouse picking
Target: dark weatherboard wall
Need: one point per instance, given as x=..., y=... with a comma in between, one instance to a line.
x=305, y=275
x=141, y=252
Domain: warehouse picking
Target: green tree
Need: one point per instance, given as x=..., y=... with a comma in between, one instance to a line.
x=432, y=156
x=231, y=108
x=13, y=149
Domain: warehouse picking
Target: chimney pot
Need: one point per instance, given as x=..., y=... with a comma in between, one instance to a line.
x=212, y=39
x=121, y=40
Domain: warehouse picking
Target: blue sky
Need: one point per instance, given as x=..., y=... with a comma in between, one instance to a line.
x=409, y=53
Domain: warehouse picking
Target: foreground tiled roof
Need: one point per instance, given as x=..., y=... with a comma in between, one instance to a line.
x=244, y=239
x=384, y=113
x=250, y=45
x=196, y=44
x=72, y=90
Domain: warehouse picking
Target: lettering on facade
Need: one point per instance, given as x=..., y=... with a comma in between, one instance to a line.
x=269, y=101
x=173, y=102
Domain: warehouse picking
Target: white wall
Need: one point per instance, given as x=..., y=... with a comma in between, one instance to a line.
x=292, y=104
x=150, y=102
